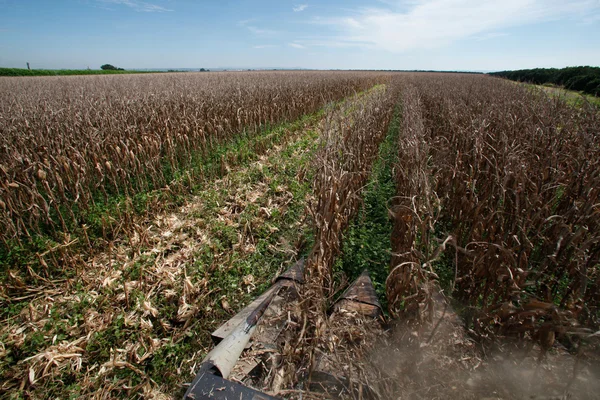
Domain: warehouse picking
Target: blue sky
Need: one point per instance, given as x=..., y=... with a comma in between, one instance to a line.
x=345, y=34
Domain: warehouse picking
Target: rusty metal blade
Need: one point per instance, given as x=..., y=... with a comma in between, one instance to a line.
x=361, y=297
x=294, y=273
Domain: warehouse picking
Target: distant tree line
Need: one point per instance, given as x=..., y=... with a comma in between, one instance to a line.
x=61, y=72
x=581, y=79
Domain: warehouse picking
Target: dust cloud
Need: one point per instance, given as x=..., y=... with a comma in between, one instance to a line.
x=441, y=361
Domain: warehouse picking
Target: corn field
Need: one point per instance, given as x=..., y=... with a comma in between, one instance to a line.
x=67, y=145
x=496, y=202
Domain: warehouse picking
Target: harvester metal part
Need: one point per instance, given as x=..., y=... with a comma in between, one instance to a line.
x=208, y=384
x=294, y=275
x=361, y=298
x=232, y=338
x=226, y=353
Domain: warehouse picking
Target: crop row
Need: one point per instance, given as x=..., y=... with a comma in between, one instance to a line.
x=498, y=198
x=349, y=146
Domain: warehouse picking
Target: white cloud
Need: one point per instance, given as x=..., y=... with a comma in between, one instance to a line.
x=329, y=42
x=138, y=5
x=250, y=24
x=490, y=35
x=245, y=22
x=414, y=24
x=297, y=46
x=265, y=46
x=261, y=31
x=300, y=7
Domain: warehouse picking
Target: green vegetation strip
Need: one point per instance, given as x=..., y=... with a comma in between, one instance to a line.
x=366, y=243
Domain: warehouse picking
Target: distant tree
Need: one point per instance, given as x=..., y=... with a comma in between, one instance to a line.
x=578, y=82
x=593, y=87
x=108, y=67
